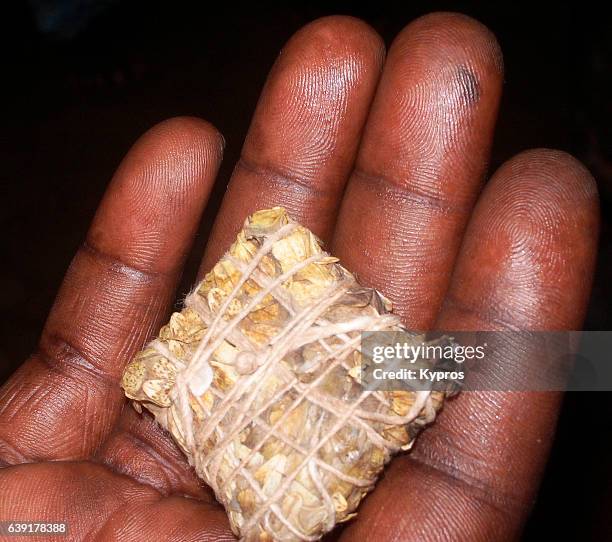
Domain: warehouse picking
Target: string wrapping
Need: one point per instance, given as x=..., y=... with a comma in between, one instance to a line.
x=257, y=380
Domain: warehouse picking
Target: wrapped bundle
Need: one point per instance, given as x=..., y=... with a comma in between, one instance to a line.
x=257, y=379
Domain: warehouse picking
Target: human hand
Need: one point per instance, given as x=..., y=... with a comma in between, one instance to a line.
x=386, y=166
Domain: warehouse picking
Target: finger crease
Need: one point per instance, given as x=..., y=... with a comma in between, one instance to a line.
x=274, y=176
x=62, y=357
x=166, y=468
x=116, y=264
x=408, y=193
x=6, y=450
x=502, y=502
x=490, y=316
x=96, y=530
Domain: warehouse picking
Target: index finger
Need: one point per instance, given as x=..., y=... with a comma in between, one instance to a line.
x=63, y=401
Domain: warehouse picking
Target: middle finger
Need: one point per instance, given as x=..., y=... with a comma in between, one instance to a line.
x=304, y=135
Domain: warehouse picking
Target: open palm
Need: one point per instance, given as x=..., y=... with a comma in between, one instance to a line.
x=384, y=158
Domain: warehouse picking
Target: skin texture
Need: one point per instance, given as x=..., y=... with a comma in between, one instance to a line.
x=385, y=160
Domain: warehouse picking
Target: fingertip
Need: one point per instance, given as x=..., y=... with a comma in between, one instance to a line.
x=549, y=195
x=181, y=138
x=173, y=164
x=335, y=35
x=455, y=32
x=544, y=189
x=458, y=59
x=529, y=251
x=154, y=202
x=555, y=171
x=196, y=129
x=316, y=97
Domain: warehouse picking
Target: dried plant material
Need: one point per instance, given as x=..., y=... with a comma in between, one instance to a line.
x=257, y=380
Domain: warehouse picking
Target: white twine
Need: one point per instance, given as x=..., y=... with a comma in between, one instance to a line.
x=304, y=326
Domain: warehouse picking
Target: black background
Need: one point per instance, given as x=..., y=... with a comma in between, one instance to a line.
x=78, y=89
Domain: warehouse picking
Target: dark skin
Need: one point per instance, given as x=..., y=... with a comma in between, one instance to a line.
x=384, y=157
